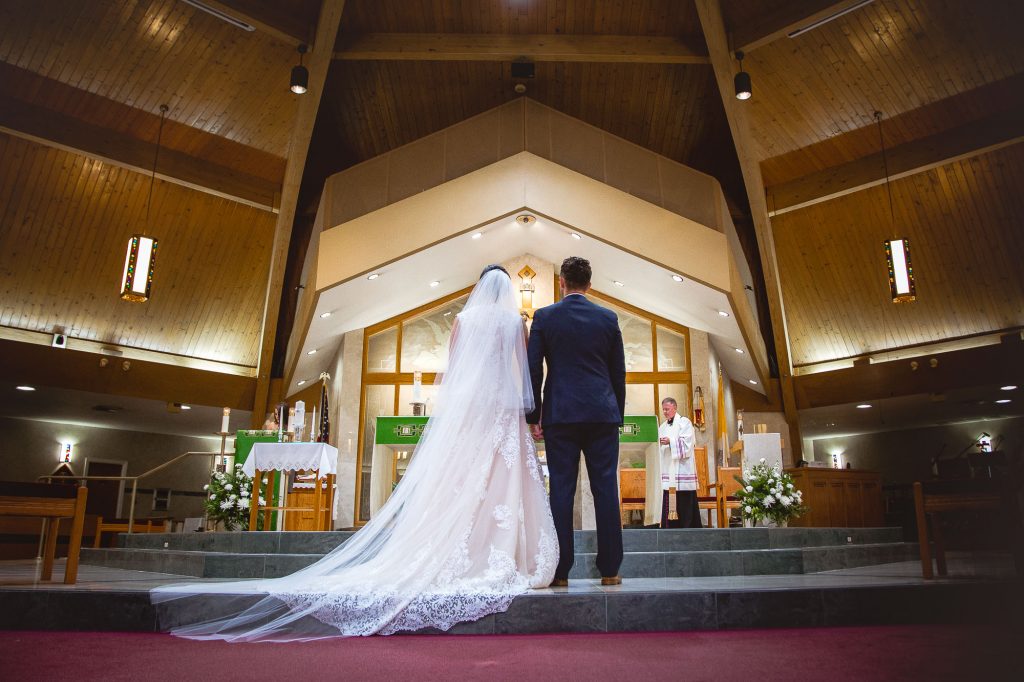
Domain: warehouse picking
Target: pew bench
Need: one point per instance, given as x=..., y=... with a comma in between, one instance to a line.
x=122, y=526
x=51, y=503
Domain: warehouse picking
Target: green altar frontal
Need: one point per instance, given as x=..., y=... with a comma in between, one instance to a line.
x=406, y=431
x=244, y=440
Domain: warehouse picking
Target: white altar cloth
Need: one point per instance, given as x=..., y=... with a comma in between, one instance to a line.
x=292, y=457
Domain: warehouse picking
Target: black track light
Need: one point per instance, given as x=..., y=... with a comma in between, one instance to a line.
x=300, y=74
x=742, y=80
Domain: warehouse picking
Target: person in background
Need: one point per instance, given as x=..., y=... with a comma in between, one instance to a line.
x=678, y=470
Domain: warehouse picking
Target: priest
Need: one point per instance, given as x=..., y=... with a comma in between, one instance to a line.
x=678, y=470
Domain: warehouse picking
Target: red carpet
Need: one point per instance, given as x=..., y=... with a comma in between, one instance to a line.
x=834, y=654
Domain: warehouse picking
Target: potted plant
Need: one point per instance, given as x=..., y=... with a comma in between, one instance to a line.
x=768, y=494
x=227, y=499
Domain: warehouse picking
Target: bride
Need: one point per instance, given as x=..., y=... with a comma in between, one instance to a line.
x=466, y=531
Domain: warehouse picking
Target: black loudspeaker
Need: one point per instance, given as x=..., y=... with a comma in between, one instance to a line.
x=522, y=69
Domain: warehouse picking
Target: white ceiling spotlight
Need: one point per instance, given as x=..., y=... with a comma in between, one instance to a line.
x=435, y=283
x=372, y=276
x=1003, y=401
x=25, y=388
x=863, y=406
x=1008, y=387
x=738, y=350
x=618, y=283
x=677, y=278
x=575, y=235
x=300, y=382
x=311, y=352
x=526, y=219
x=324, y=316
x=477, y=235
x=722, y=313
x=753, y=381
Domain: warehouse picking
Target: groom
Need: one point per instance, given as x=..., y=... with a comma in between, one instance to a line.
x=584, y=400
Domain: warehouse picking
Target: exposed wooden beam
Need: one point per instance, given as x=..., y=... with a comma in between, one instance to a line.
x=320, y=55
x=710, y=13
x=787, y=17
x=58, y=130
x=266, y=18
x=989, y=134
x=503, y=48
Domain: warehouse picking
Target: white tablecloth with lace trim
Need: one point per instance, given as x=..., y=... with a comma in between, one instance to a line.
x=292, y=457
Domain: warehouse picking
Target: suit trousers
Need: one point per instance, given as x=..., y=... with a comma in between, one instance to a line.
x=600, y=446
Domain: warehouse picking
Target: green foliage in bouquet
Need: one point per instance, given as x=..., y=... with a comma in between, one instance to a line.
x=228, y=496
x=767, y=493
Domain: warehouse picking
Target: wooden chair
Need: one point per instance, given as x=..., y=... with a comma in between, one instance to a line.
x=706, y=498
x=937, y=497
x=121, y=526
x=726, y=486
x=52, y=503
x=632, y=492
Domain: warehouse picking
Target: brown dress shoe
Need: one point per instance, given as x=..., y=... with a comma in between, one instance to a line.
x=560, y=582
x=611, y=580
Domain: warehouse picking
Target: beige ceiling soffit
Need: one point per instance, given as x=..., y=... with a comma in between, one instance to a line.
x=59, y=131
x=280, y=24
x=120, y=353
x=298, y=148
x=973, y=139
x=710, y=13
x=790, y=16
x=747, y=322
x=504, y=48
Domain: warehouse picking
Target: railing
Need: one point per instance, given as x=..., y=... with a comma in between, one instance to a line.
x=134, y=479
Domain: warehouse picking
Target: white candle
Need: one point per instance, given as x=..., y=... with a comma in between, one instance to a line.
x=314, y=427
x=224, y=420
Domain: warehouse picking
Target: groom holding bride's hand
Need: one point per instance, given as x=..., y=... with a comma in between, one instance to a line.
x=583, y=403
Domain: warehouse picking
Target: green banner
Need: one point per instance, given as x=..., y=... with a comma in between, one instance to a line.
x=245, y=438
x=407, y=430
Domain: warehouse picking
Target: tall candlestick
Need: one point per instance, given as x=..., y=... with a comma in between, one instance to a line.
x=224, y=420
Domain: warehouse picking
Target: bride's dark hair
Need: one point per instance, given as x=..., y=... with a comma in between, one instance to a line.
x=494, y=266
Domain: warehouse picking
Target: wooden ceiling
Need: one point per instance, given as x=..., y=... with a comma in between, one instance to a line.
x=81, y=85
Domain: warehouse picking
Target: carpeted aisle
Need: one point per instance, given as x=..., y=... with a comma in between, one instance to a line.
x=833, y=654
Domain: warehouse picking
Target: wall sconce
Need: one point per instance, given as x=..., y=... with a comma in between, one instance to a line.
x=837, y=460
x=66, y=452
x=698, y=408
x=526, y=289
x=984, y=442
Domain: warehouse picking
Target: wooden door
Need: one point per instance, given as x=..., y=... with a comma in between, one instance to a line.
x=104, y=496
x=836, y=505
x=853, y=496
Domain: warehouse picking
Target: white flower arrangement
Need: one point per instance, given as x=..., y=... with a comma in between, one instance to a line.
x=229, y=498
x=767, y=493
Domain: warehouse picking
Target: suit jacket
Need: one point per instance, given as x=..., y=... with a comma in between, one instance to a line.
x=586, y=381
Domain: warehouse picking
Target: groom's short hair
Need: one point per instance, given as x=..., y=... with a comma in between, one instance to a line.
x=576, y=272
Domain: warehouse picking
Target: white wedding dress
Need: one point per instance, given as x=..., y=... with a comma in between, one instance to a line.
x=466, y=531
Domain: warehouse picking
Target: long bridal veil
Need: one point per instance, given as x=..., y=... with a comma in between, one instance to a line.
x=467, y=529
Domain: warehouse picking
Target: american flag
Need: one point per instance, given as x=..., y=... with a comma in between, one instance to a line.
x=323, y=427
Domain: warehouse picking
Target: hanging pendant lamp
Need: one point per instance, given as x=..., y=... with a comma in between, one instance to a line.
x=137, y=278
x=897, y=249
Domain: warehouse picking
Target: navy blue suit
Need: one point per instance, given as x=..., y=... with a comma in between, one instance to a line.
x=584, y=398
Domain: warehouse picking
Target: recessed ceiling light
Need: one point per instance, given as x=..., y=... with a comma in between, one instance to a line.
x=1003, y=401
x=753, y=381
x=525, y=219
x=863, y=406
x=324, y=316
x=738, y=350
x=311, y=352
x=26, y=388
x=722, y=313
x=1008, y=387
x=185, y=407
x=435, y=283
x=373, y=276
x=300, y=382
x=575, y=235
x=619, y=284
x=477, y=235
x=677, y=278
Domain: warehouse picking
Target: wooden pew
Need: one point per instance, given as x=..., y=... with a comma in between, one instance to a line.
x=121, y=526
x=52, y=503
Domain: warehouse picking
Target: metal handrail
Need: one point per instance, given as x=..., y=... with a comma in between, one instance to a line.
x=134, y=479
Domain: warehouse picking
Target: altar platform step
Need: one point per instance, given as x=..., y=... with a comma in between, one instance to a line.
x=979, y=589
x=649, y=553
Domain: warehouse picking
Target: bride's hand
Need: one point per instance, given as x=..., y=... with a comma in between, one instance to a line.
x=537, y=432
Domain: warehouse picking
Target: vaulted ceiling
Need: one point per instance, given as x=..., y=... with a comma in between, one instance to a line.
x=81, y=84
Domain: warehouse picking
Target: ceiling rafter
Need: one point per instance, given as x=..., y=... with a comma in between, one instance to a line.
x=710, y=13
x=276, y=22
x=789, y=17
x=503, y=48
x=988, y=134
x=61, y=131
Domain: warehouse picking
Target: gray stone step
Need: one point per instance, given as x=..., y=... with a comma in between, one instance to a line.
x=649, y=564
x=634, y=540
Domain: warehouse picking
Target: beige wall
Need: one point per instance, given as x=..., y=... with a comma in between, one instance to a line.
x=347, y=383
x=28, y=450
